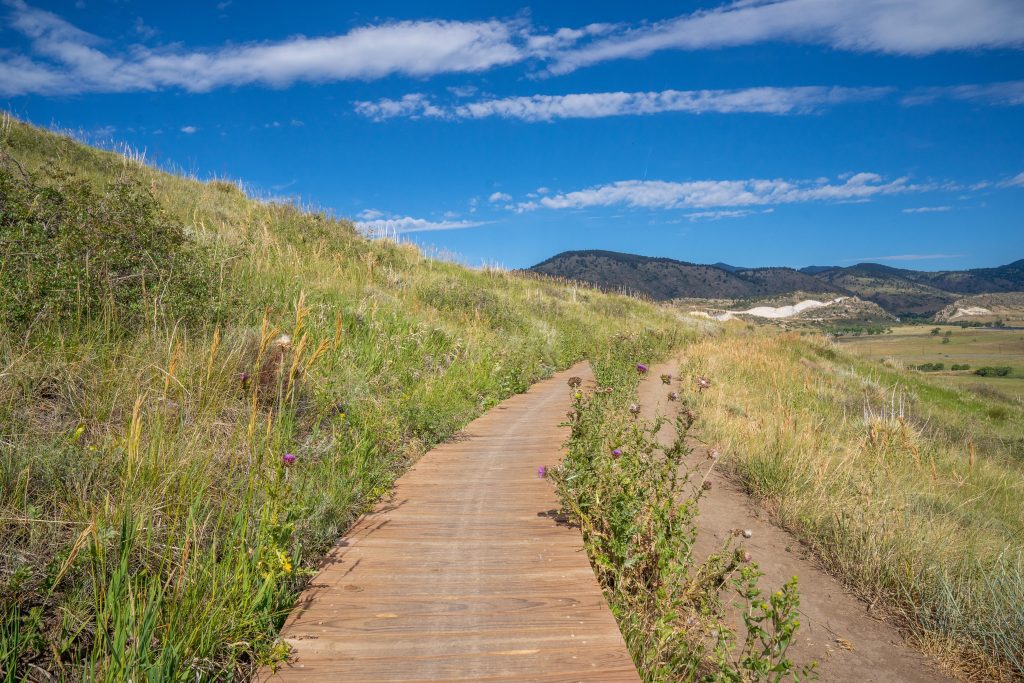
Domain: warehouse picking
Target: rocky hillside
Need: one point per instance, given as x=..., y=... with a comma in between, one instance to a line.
x=984, y=308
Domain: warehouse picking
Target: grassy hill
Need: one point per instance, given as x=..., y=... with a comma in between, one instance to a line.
x=899, y=291
x=166, y=343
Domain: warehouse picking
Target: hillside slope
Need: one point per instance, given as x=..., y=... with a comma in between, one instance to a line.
x=983, y=308
x=199, y=392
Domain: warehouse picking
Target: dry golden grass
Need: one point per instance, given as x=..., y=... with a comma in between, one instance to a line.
x=911, y=493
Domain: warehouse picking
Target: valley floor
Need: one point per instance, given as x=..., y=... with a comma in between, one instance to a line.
x=974, y=346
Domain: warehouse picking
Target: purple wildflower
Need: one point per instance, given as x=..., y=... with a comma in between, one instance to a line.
x=673, y=395
x=616, y=453
x=641, y=368
x=288, y=458
x=243, y=377
x=542, y=472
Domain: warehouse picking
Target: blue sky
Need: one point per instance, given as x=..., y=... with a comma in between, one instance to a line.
x=792, y=132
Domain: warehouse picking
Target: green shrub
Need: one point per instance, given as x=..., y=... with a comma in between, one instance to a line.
x=990, y=371
x=71, y=253
x=929, y=367
x=963, y=366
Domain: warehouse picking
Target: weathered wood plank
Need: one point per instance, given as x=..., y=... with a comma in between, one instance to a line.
x=464, y=574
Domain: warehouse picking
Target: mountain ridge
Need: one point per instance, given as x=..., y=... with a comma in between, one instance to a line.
x=899, y=291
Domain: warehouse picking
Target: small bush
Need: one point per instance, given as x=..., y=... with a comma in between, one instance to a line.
x=990, y=371
x=963, y=366
x=929, y=367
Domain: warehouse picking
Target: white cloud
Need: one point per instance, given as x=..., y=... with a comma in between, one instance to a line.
x=1015, y=181
x=383, y=227
x=701, y=194
x=189, y=130
x=724, y=213
x=499, y=197
x=1005, y=93
x=765, y=100
x=910, y=27
x=928, y=209
x=76, y=63
x=67, y=60
x=413, y=106
x=462, y=90
x=370, y=214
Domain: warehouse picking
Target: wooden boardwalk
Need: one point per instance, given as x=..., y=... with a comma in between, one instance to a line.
x=464, y=574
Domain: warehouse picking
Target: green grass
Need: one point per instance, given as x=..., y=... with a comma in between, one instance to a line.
x=150, y=529
x=906, y=488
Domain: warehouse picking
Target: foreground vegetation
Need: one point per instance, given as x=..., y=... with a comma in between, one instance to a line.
x=199, y=392
x=908, y=490
x=626, y=482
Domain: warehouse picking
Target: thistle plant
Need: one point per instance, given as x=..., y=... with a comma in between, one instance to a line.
x=627, y=488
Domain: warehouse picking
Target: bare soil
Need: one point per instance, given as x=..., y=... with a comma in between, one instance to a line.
x=837, y=630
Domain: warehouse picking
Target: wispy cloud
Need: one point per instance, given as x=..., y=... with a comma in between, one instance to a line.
x=1015, y=181
x=498, y=197
x=762, y=100
x=69, y=60
x=725, y=213
x=660, y=194
x=375, y=223
x=928, y=209
x=1005, y=93
x=911, y=27
x=189, y=130
x=905, y=257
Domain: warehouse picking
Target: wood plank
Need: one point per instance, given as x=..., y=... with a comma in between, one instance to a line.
x=464, y=573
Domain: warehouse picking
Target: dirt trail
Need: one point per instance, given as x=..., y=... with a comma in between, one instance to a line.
x=465, y=574
x=836, y=629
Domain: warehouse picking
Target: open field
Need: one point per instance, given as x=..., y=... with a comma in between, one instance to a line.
x=974, y=346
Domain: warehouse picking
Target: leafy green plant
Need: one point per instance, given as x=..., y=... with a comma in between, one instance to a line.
x=770, y=625
x=629, y=490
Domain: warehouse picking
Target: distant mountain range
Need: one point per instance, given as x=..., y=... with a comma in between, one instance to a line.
x=899, y=291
